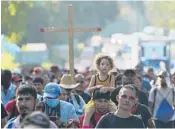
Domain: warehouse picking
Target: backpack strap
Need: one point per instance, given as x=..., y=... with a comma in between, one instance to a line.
x=44, y=106
x=57, y=109
x=155, y=93
x=95, y=79
x=173, y=94
x=110, y=76
x=10, y=125
x=93, y=121
x=166, y=94
x=77, y=99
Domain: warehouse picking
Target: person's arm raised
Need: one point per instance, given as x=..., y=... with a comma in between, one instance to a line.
x=151, y=123
x=111, y=87
x=92, y=86
x=112, y=82
x=87, y=117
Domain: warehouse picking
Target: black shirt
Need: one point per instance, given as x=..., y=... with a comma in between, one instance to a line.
x=112, y=121
x=86, y=97
x=142, y=96
x=3, y=112
x=143, y=113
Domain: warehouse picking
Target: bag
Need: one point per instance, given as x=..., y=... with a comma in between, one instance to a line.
x=165, y=110
x=155, y=93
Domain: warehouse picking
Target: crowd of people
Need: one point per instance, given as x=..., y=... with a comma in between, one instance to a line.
x=103, y=98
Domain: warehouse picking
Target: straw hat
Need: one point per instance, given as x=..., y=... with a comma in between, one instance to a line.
x=66, y=82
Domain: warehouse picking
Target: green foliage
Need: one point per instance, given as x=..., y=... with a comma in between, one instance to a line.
x=162, y=13
x=22, y=20
x=8, y=61
x=13, y=20
x=86, y=14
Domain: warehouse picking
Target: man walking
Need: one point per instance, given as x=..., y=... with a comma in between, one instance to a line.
x=122, y=118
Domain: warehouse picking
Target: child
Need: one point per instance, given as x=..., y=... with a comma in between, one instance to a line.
x=104, y=64
x=102, y=79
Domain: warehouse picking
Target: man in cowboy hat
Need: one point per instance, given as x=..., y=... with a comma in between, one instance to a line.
x=80, y=89
x=68, y=88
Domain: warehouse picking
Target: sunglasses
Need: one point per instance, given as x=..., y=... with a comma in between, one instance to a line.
x=19, y=81
x=79, y=81
x=37, y=84
x=64, y=94
x=161, y=76
x=78, y=91
x=131, y=98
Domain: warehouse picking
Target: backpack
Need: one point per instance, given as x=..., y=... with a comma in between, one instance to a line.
x=165, y=110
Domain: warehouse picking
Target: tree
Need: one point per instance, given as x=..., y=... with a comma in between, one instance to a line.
x=86, y=14
x=8, y=61
x=161, y=13
x=13, y=20
x=24, y=21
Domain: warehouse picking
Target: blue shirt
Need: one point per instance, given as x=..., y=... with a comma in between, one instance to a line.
x=146, y=85
x=67, y=112
x=10, y=94
x=13, y=123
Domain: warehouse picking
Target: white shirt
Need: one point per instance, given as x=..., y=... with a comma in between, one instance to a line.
x=160, y=95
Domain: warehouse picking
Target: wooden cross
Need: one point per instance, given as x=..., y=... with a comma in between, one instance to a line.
x=71, y=31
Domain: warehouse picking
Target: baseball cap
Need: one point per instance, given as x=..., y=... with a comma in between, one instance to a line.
x=52, y=90
x=16, y=78
x=162, y=73
x=37, y=70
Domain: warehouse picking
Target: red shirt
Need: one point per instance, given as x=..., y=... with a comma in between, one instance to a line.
x=97, y=118
x=11, y=107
